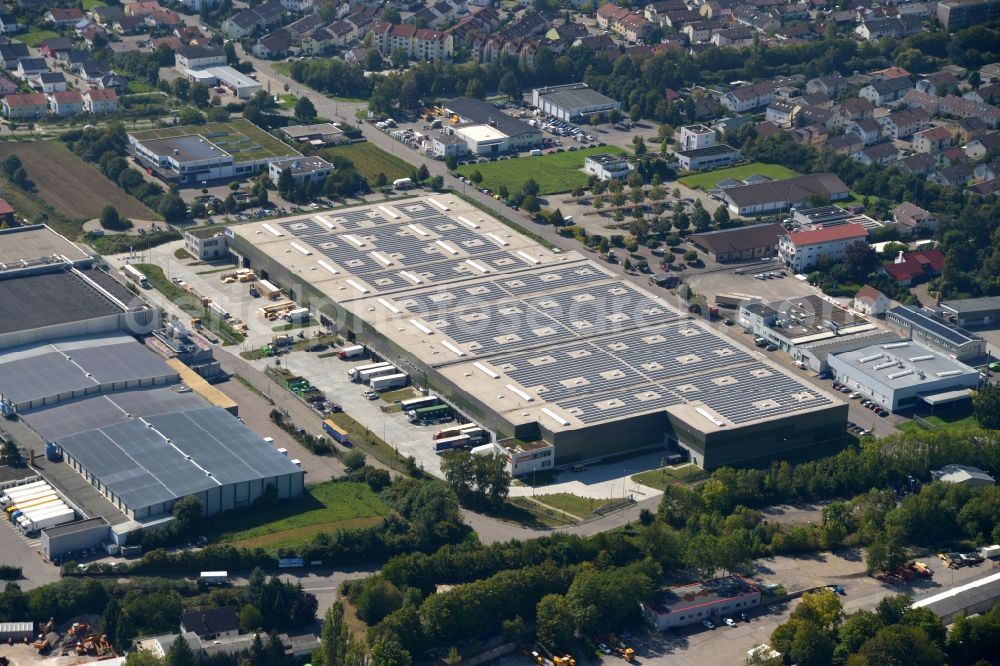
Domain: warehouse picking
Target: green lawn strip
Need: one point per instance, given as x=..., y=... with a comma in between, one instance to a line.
x=188, y=304
x=524, y=511
x=554, y=173
x=370, y=160
x=282, y=68
x=581, y=507
x=708, y=179
x=321, y=507
x=364, y=439
x=35, y=37
x=288, y=101
x=668, y=476
x=405, y=393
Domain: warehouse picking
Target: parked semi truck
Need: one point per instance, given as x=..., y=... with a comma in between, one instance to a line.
x=389, y=382
x=339, y=434
x=366, y=376
x=449, y=443
x=351, y=352
x=18, y=490
x=429, y=414
x=354, y=374
x=60, y=517
x=137, y=276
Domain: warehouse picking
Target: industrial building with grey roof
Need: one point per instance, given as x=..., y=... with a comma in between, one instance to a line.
x=534, y=342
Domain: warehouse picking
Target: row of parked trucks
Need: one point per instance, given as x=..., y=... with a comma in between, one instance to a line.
x=381, y=376
x=35, y=506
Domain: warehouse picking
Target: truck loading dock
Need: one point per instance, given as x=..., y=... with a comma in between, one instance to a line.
x=533, y=343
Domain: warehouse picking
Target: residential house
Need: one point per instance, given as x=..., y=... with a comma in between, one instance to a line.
x=810, y=135
x=978, y=148
x=735, y=37
x=987, y=187
x=106, y=16
x=759, y=20
x=53, y=46
x=305, y=25
x=987, y=170
x=130, y=25
x=870, y=301
x=971, y=128
x=856, y=108
x=199, y=57
x=119, y=50
x=940, y=80
x=211, y=623
x=628, y=24
x=435, y=14
x=113, y=81
x=985, y=94
x=932, y=140
x=253, y=19
x=11, y=53
x=92, y=71
x=915, y=99
x=58, y=16
x=9, y=24
x=273, y=45
x=100, y=101
x=49, y=82
x=746, y=98
x=952, y=155
x=70, y=59
x=918, y=164
x=7, y=87
x=956, y=175
x=363, y=19
x=845, y=144
x=914, y=220
x=25, y=106
x=357, y=55
x=654, y=12
x=782, y=112
x=29, y=67
x=418, y=43
x=914, y=267
x=815, y=115
x=893, y=27
x=189, y=34
x=299, y=6
x=904, y=123
x=881, y=154
x=66, y=103
x=958, y=107
x=990, y=73
x=884, y=91
x=830, y=85
x=142, y=7
x=869, y=130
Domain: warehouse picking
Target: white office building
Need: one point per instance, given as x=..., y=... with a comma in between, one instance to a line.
x=800, y=250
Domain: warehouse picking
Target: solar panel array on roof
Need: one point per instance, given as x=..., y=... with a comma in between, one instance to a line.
x=919, y=319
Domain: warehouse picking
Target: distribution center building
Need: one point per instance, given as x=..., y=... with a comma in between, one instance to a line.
x=535, y=343
x=903, y=375
x=572, y=101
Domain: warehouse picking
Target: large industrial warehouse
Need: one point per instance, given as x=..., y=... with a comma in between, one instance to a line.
x=124, y=423
x=535, y=343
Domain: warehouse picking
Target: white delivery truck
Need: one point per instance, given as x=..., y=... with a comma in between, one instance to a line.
x=297, y=315
x=402, y=184
x=354, y=374
x=214, y=577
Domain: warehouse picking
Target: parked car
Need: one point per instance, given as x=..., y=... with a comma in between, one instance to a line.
x=708, y=624
x=730, y=622
x=371, y=395
x=604, y=648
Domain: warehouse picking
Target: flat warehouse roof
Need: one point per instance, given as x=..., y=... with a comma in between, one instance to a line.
x=185, y=148
x=575, y=97
x=48, y=370
x=537, y=335
x=946, y=332
x=972, y=305
x=161, y=458
x=904, y=364
x=69, y=418
x=29, y=244
x=48, y=299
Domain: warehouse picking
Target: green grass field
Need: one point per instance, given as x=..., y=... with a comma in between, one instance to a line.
x=666, y=476
x=708, y=179
x=240, y=138
x=34, y=37
x=288, y=101
x=90, y=4
x=370, y=161
x=324, y=507
x=282, y=68
x=581, y=507
x=554, y=173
